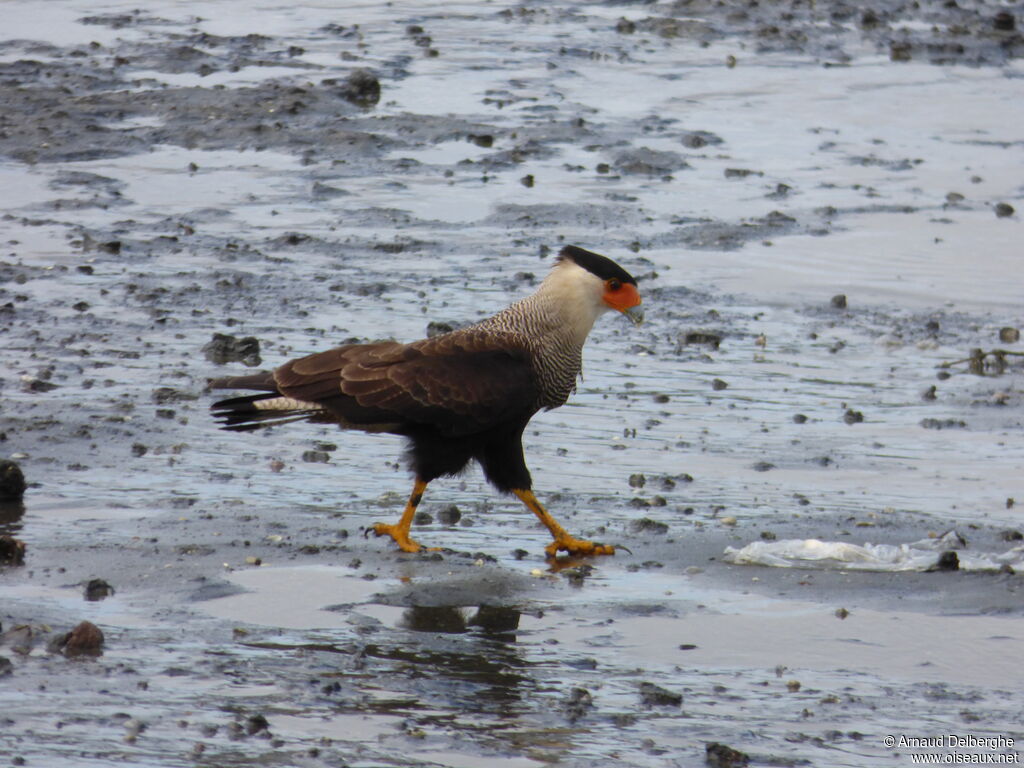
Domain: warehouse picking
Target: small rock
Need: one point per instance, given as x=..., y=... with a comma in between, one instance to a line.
x=1006, y=335
x=361, y=88
x=97, y=589
x=799, y=418
x=900, y=51
x=450, y=515
x=255, y=724
x=948, y=561
x=224, y=348
x=839, y=301
x=702, y=337
x=842, y=613
x=6, y=667
x=853, y=417
x=647, y=525
x=698, y=139
x=652, y=695
x=84, y=640
x=943, y=423
x=12, y=551
x=578, y=703
x=722, y=756
x=718, y=385
x=637, y=480
x=1003, y=210
x=1004, y=21
x=12, y=481
x=132, y=728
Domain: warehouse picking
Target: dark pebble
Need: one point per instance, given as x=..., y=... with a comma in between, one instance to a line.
x=718, y=384
x=224, y=348
x=6, y=667
x=1011, y=535
x=450, y=515
x=97, y=589
x=647, y=525
x=763, y=466
x=1003, y=210
x=12, y=481
x=799, y=418
x=1009, y=335
x=652, y=695
x=722, y=756
x=86, y=639
x=1004, y=21
x=943, y=424
x=637, y=481
x=839, y=301
x=256, y=724
x=702, y=337
x=948, y=561
x=361, y=88
x=853, y=417
x=578, y=703
x=422, y=518
x=12, y=551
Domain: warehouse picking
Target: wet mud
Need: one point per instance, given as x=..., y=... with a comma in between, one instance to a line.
x=821, y=204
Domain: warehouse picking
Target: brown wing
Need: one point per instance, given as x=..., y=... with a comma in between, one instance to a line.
x=460, y=383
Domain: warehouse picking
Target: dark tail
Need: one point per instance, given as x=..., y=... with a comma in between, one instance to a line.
x=243, y=413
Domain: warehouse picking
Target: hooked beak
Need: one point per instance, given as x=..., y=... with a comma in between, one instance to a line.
x=636, y=314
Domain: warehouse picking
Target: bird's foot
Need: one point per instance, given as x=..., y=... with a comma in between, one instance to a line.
x=577, y=547
x=401, y=537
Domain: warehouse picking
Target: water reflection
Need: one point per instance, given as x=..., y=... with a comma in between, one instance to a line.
x=499, y=622
x=10, y=517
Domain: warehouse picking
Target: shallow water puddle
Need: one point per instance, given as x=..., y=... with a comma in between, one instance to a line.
x=656, y=621
x=292, y=597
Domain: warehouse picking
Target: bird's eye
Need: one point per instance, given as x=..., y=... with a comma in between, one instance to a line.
x=614, y=285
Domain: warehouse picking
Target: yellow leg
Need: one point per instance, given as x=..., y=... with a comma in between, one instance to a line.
x=400, y=530
x=563, y=542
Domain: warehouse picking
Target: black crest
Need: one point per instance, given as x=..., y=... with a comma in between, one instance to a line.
x=602, y=266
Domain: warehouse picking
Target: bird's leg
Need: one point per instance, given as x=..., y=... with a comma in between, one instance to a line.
x=563, y=542
x=400, y=530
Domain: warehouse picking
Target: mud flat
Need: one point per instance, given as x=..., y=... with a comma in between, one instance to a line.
x=822, y=204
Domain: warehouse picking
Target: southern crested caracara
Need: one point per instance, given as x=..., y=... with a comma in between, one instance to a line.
x=463, y=395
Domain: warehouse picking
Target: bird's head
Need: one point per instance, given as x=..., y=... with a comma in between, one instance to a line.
x=611, y=286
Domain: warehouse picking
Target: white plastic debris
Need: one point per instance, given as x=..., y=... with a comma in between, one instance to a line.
x=839, y=555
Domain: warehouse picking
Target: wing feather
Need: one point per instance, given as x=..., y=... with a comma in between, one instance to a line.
x=459, y=383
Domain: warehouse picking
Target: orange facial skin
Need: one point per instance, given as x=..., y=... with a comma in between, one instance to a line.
x=622, y=297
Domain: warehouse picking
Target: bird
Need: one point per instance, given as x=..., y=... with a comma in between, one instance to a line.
x=456, y=397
